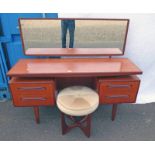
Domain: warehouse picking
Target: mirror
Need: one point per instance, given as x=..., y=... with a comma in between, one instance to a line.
x=51, y=35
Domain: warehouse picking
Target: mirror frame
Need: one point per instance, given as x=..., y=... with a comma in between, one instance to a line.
x=76, y=51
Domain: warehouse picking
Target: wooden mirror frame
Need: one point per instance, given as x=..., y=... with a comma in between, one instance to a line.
x=74, y=51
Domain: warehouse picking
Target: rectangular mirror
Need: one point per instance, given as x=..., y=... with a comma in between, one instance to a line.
x=74, y=36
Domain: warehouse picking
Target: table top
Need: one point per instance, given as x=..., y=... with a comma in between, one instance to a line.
x=73, y=51
x=74, y=67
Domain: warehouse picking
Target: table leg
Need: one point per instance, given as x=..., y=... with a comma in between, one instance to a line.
x=114, y=110
x=36, y=114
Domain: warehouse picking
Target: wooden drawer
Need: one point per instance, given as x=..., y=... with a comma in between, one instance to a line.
x=118, y=89
x=32, y=91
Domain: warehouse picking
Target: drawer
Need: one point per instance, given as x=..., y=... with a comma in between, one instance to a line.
x=32, y=91
x=118, y=90
x=31, y=88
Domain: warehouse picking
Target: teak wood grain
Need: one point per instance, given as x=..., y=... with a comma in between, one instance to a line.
x=75, y=67
x=32, y=92
x=118, y=90
x=73, y=51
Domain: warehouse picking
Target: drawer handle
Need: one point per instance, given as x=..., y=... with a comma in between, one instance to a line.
x=117, y=96
x=119, y=86
x=34, y=98
x=31, y=88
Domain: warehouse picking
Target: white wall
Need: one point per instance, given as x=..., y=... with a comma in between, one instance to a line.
x=140, y=48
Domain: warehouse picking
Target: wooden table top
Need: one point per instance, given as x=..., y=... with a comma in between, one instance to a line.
x=77, y=67
x=73, y=51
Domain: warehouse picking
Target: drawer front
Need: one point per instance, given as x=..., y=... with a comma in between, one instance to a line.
x=33, y=94
x=118, y=92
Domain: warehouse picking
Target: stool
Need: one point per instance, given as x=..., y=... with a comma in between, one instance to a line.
x=77, y=103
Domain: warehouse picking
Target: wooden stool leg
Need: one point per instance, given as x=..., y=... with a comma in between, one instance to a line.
x=64, y=126
x=114, y=110
x=87, y=129
x=36, y=114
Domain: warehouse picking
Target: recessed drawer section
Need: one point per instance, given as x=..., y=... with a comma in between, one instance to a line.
x=32, y=92
x=33, y=100
x=118, y=90
x=32, y=88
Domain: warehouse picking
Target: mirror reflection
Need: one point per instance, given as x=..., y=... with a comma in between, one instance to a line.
x=73, y=33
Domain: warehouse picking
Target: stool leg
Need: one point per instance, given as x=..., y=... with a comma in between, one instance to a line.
x=64, y=126
x=114, y=110
x=36, y=113
x=87, y=128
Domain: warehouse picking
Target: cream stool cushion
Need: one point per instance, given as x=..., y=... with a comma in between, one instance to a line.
x=77, y=100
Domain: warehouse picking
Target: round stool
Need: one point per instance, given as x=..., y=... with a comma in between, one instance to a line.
x=77, y=103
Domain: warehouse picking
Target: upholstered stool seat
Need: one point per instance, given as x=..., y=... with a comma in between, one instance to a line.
x=77, y=101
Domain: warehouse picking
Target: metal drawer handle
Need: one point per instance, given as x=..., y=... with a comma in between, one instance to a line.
x=117, y=96
x=119, y=86
x=32, y=88
x=34, y=98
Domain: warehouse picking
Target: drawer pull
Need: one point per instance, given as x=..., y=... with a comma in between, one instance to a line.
x=119, y=86
x=31, y=88
x=33, y=98
x=117, y=96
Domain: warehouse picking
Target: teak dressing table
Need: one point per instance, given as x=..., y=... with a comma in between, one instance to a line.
x=35, y=82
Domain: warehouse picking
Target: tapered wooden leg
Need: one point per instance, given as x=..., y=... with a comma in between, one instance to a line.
x=114, y=110
x=36, y=114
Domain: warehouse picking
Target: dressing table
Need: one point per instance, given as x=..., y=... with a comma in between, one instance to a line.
x=35, y=82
